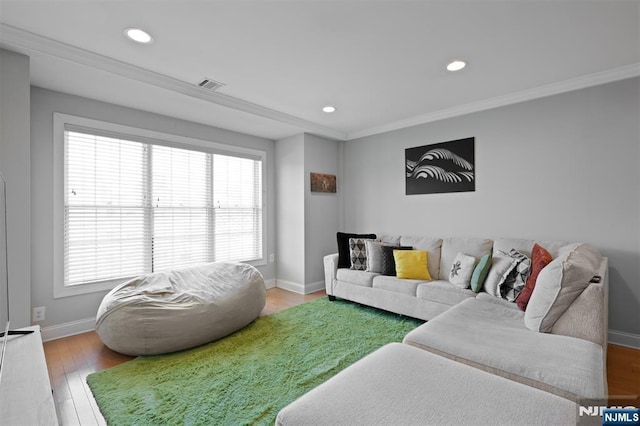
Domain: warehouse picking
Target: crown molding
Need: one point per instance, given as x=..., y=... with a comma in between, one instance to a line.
x=17, y=38
x=595, y=79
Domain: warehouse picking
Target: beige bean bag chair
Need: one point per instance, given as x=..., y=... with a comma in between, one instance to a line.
x=170, y=311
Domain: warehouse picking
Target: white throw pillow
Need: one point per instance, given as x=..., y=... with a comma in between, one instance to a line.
x=501, y=265
x=559, y=284
x=461, y=270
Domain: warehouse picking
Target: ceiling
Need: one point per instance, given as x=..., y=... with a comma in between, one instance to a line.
x=380, y=63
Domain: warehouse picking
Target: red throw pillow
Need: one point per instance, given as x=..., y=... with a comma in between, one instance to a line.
x=539, y=259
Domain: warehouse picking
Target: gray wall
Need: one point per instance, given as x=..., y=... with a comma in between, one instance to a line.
x=43, y=104
x=563, y=167
x=321, y=209
x=14, y=165
x=307, y=221
x=290, y=209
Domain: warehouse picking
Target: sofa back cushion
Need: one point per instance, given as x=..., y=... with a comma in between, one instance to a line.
x=432, y=245
x=559, y=284
x=526, y=246
x=476, y=247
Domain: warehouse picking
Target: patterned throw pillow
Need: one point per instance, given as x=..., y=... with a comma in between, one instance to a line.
x=388, y=261
x=513, y=283
x=344, y=258
x=358, y=252
x=461, y=270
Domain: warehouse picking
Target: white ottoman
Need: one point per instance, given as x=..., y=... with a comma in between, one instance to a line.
x=171, y=311
x=402, y=385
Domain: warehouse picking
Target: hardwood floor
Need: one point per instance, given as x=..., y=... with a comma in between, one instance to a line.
x=71, y=359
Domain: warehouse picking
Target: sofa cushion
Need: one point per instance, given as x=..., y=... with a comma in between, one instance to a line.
x=412, y=264
x=443, y=292
x=559, y=284
x=494, y=338
x=525, y=246
x=476, y=247
x=344, y=258
x=397, y=285
x=461, y=270
x=480, y=273
x=401, y=385
x=362, y=278
x=432, y=245
x=492, y=299
x=388, y=261
x=539, y=259
x=392, y=240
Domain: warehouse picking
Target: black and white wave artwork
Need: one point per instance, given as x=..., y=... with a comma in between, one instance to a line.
x=441, y=167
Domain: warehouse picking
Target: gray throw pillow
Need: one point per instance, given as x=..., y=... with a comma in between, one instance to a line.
x=374, y=255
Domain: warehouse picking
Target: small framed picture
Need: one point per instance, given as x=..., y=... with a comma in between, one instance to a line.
x=321, y=182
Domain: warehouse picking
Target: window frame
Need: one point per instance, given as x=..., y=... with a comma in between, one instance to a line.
x=61, y=123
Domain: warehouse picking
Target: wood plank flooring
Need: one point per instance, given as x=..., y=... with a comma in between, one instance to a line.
x=71, y=359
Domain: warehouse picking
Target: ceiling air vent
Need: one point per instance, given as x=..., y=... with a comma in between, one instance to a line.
x=210, y=84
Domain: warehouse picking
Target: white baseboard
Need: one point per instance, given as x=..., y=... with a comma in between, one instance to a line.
x=290, y=286
x=623, y=338
x=300, y=288
x=313, y=287
x=72, y=328
x=68, y=329
x=89, y=324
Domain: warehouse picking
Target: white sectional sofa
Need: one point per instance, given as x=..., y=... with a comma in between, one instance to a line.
x=557, y=347
x=414, y=298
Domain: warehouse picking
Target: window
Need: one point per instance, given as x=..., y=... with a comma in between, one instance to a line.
x=135, y=205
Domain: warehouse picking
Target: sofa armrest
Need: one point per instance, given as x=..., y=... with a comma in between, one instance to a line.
x=587, y=317
x=330, y=271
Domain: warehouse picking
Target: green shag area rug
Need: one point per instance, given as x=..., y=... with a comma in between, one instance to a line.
x=247, y=377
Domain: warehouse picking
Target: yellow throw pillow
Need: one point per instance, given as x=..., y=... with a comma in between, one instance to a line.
x=411, y=264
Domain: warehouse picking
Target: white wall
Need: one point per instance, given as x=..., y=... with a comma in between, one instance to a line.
x=321, y=209
x=290, y=211
x=15, y=167
x=565, y=167
x=43, y=104
x=307, y=222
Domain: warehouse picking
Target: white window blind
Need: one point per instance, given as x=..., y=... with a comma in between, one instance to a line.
x=134, y=207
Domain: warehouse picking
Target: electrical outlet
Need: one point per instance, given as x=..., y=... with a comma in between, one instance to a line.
x=272, y=258
x=38, y=314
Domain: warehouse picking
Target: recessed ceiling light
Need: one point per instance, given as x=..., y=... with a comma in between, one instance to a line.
x=138, y=35
x=328, y=109
x=456, y=65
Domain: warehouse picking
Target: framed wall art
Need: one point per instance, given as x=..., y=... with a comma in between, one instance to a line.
x=441, y=167
x=323, y=183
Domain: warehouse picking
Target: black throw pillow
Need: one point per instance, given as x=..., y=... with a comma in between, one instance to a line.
x=388, y=262
x=344, y=258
